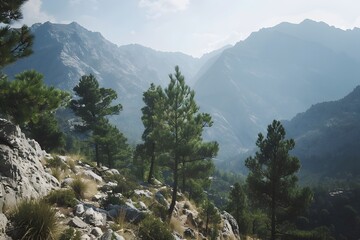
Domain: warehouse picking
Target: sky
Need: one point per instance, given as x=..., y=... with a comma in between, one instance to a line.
x=193, y=27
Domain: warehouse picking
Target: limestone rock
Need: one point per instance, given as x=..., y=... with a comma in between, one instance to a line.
x=21, y=172
x=95, y=218
x=231, y=227
x=77, y=222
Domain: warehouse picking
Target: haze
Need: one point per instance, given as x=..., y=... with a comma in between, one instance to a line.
x=194, y=27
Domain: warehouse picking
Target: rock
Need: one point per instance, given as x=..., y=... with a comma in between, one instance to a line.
x=189, y=233
x=93, y=176
x=94, y=218
x=143, y=207
x=66, y=182
x=231, y=227
x=145, y=193
x=113, y=172
x=77, y=222
x=3, y=222
x=131, y=215
x=190, y=219
x=85, y=237
x=161, y=199
x=97, y=232
x=110, y=235
x=79, y=209
x=21, y=171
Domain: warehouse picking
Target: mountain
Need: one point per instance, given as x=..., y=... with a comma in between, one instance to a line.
x=65, y=52
x=327, y=137
x=274, y=74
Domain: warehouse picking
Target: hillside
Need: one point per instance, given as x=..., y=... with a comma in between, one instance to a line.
x=65, y=52
x=327, y=137
x=274, y=74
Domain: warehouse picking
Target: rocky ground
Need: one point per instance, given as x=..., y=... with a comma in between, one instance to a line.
x=112, y=207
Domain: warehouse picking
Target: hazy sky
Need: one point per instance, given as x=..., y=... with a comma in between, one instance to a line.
x=189, y=26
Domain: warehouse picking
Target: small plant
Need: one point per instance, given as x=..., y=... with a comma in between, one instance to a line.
x=112, y=199
x=152, y=228
x=63, y=198
x=72, y=165
x=80, y=187
x=159, y=211
x=70, y=234
x=34, y=220
x=124, y=187
x=56, y=162
x=56, y=172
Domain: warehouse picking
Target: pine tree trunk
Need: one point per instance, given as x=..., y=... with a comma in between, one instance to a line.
x=97, y=155
x=175, y=186
x=273, y=217
x=152, y=162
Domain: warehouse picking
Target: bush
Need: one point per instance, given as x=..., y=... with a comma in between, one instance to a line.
x=151, y=228
x=112, y=199
x=124, y=187
x=159, y=211
x=34, y=220
x=63, y=198
x=56, y=162
x=70, y=234
x=80, y=187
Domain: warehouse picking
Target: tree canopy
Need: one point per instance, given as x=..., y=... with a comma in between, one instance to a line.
x=272, y=181
x=14, y=43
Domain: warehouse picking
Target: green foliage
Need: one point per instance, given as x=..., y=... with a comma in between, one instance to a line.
x=47, y=133
x=124, y=186
x=210, y=215
x=27, y=98
x=79, y=187
x=92, y=106
x=112, y=199
x=62, y=198
x=152, y=228
x=56, y=162
x=113, y=149
x=14, y=43
x=34, y=220
x=70, y=234
x=173, y=127
x=272, y=180
x=159, y=211
x=238, y=208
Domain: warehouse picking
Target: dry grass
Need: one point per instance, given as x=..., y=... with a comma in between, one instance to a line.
x=177, y=225
x=91, y=189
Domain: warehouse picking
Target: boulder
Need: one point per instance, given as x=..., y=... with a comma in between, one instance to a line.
x=79, y=209
x=131, y=215
x=95, y=218
x=189, y=233
x=231, y=228
x=161, y=199
x=21, y=171
x=97, y=232
x=77, y=222
x=3, y=222
x=93, y=176
x=110, y=235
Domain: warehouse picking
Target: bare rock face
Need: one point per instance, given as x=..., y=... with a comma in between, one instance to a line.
x=230, y=229
x=21, y=173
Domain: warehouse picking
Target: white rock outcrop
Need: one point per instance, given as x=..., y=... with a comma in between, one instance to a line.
x=21, y=173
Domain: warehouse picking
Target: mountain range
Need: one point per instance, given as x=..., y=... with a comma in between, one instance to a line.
x=275, y=73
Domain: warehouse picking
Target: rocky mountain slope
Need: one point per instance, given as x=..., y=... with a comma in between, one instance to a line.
x=65, y=52
x=327, y=137
x=108, y=205
x=274, y=74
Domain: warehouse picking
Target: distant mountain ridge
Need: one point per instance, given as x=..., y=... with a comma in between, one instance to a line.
x=274, y=74
x=65, y=52
x=327, y=137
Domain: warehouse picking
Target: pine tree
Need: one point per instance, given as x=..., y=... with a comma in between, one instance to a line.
x=210, y=215
x=27, y=98
x=272, y=180
x=93, y=105
x=182, y=128
x=14, y=43
x=153, y=99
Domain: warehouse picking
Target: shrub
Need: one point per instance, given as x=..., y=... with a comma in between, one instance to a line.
x=159, y=211
x=151, y=228
x=34, y=220
x=56, y=172
x=63, y=198
x=112, y=199
x=70, y=234
x=124, y=187
x=80, y=187
x=56, y=162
